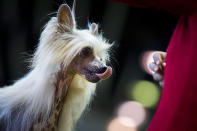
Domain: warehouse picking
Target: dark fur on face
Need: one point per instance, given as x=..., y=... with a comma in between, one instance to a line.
x=88, y=65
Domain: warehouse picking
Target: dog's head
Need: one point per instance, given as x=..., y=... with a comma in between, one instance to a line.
x=90, y=60
x=82, y=52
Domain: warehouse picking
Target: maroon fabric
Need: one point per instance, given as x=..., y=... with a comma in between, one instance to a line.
x=177, y=110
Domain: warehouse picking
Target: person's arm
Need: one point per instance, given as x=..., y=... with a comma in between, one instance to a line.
x=180, y=7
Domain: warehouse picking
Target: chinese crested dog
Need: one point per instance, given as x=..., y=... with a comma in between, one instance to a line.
x=66, y=66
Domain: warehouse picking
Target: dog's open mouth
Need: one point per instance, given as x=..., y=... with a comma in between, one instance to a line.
x=94, y=76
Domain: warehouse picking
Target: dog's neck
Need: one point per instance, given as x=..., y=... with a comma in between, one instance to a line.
x=62, y=83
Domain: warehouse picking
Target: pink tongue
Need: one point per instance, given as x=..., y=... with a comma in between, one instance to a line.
x=106, y=74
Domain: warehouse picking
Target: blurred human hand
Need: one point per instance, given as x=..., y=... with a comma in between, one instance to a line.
x=158, y=66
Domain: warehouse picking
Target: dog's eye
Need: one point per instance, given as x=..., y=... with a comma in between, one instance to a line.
x=86, y=51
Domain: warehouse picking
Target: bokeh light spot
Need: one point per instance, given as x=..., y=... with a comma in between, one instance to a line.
x=122, y=124
x=133, y=110
x=127, y=121
x=145, y=92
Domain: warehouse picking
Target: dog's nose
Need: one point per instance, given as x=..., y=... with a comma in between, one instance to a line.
x=102, y=69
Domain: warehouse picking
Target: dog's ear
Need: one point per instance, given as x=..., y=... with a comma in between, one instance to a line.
x=94, y=29
x=65, y=16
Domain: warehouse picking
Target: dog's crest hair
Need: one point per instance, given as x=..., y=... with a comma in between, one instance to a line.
x=30, y=99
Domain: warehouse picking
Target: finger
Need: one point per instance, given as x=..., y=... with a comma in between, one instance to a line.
x=161, y=83
x=158, y=77
x=163, y=67
x=157, y=58
x=164, y=64
x=153, y=67
x=163, y=56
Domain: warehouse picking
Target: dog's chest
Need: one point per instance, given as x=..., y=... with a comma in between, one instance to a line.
x=62, y=85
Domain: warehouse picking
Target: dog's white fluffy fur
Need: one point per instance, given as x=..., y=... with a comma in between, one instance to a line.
x=33, y=94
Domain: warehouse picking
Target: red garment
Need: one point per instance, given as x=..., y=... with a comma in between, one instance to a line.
x=177, y=110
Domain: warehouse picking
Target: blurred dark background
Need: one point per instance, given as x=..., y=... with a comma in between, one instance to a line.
x=134, y=31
